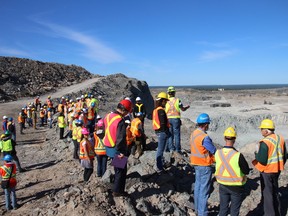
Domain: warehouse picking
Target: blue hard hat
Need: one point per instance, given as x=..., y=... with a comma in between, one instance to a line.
x=139, y=114
x=80, y=122
x=49, y=109
x=10, y=119
x=92, y=104
x=8, y=157
x=203, y=118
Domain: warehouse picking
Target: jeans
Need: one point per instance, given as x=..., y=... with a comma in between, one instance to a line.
x=203, y=183
x=174, y=139
x=120, y=179
x=270, y=193
x=10, y=195
x=162, y=139
x=101, y=164
x=233, y=194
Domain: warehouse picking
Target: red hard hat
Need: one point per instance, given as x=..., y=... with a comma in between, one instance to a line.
x=127, y=104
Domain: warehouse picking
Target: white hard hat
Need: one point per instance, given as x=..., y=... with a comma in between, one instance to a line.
x=63, y=97
x=70, y=109
x=82, y=96
x=127, y=98
x=5, y=117
x=138, y=99
x=127, y=121
x=98, y=117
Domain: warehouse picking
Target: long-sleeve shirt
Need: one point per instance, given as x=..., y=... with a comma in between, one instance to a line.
x=163, y=121
x=208, y=144
x=121, y=145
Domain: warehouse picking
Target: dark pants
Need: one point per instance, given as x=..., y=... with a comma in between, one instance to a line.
x=120, y=179
x=61, y=133
x=233, y=194
x=270, y=193
x=87, y=173
x=21, y=127
x=76, y=149
x=101, y=164
x=42, y=121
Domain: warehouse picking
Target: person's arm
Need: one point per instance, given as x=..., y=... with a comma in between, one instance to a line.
x=243, y=165
x=208, y=144
x=285, y=154
x=120, y=144
x=162, y=119
x=262, y=155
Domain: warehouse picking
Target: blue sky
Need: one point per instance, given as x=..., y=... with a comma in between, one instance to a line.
x=164, y=42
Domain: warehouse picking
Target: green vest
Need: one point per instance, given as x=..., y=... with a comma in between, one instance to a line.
x=7, y=145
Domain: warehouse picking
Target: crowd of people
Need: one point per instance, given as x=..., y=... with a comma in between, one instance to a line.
x=121, y=133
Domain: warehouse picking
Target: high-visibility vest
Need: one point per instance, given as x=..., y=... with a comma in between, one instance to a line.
x=60, y=109
x=275, y=161
x=61, y=122
x=111, y=122
x=42, y=114
x=89, y=150
x=135, y=127
x=199, y=154
x=6, y=172
x=74, y=133
x=138, y=108
x=155, y=120
x=99, y=147
x=172, y=108
x=129, y=136
x=49, y=115
x=91, y=113
x=7, y=145
x=79, y=134
x=228, y=171
x=21, y=119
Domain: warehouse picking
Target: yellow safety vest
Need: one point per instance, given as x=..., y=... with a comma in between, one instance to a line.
x=7, y=145
x=172, y=108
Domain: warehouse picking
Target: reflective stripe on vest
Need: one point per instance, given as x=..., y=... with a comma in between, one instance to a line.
x=275, y=161
x=199, y=154
x=89, y=149
x=138, y=107
x=99, y=146
x=7, y=145
x=129, y=136
x=61, y=122
x=135, y=127
x=111, y=122
x=172, y=108
x=155, y=120
x=79, y=134
x=7, y=172
x=228, y=171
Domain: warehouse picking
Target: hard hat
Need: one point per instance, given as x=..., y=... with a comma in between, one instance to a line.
x=203, y=118
x=162, y=95
x=29, y=108
x=78, y=98
x=7, y=133
x=49, y=109
x=92, y=104
x=98, y=117
x=7, y=157
x=71, y=100
x=100, y=123
x=82, y=96
x=49, y=97
x=85, y=110
x=171, y=89
x=33, y=108
x=127, y=121
x=62, y=97
x=3, y=135
x=10, y=119
x=267, y=124
x=5, y=117
x=139, y=114
x=70, y=109
x=230, y=132
x=127, y=104
x=20, y=113
x=85, y=131
x=72, y=115
x=80, y=122
x=138, y=99
x=86, y=95
x=38, y=96
x=99, y=131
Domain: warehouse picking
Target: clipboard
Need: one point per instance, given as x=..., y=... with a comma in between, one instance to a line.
x=119, y=162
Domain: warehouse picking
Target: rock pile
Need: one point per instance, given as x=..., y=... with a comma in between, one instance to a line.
x=21, y=77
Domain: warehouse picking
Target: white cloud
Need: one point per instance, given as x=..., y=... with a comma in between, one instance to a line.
x=216, y=55
x=12, y=52
x=92, y=47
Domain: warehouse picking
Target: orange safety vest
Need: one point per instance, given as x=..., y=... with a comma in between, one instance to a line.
x=129, y=136
x=60, y=107
x=135, y=127
x=91, y=113
x=99, y=148
x=228, y=171
x=42, y=114
x=6, y=172
x=111, y=122
x=21, y=119
x=89, y=150
x=199, y=154
x=156, y=121
x=276, y=152
x=172, y=108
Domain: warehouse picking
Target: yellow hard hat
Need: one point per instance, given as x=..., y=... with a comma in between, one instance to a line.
x=2, y=135
x=171, y=89
x=230, y=132
x=49, y=97
x=267, y=124
x=162, y=95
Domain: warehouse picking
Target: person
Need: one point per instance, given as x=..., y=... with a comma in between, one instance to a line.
x=173, y=108
x=21, y=121
x=8, y=183
x=4, y=123
x=139, y=107
x=76, y=138
x=269, y=161
x=8, y=148
x=202, y=157
x=61, y=124
x=161, y=127
x=138, y=133
x=12, y=128
x=115, y=143
x=34, y=117
x=29, y=117
x=86, y=155
x=91, y=116
x=50, y=117
x=99, y=149
x=37, y=102
x=231, y=171
x=42, y=116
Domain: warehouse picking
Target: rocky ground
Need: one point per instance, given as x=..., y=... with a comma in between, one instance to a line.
x=52, y=186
